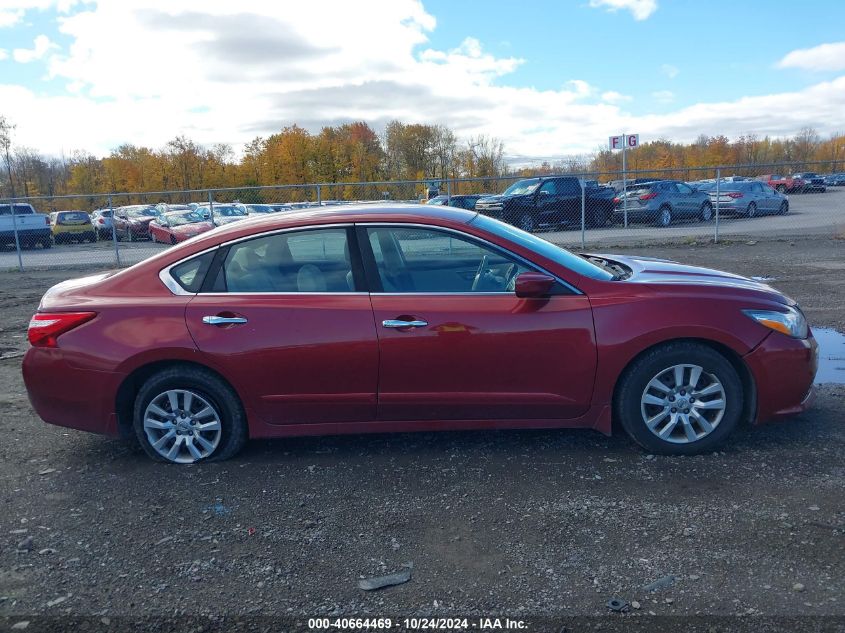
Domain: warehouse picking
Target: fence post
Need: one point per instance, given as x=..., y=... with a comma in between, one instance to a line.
x=17, y=237
x=211, y=206
x=114, y=233
x=718, y=192
x=448, y=192
x=583, y=214
x=319, y=196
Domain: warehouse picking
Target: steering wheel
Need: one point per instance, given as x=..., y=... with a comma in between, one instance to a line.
x=479, y=274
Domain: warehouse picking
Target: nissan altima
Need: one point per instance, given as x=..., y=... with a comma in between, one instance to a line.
x=410, y=318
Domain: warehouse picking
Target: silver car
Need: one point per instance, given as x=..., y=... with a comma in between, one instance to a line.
x=747, y=197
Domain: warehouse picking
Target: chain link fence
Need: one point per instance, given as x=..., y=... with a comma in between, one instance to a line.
x=703, y=204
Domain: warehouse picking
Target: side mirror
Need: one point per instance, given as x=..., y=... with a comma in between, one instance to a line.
x=533, y=285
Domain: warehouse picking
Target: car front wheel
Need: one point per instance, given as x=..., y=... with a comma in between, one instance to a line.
x=184, y=415
x=664, y=216
x=680, y=399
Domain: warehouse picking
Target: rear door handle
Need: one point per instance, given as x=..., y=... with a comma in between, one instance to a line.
x=221, y=320
x=397, y=323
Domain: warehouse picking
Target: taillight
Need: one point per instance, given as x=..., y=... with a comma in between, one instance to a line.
x=46, y=327
x=100, y=221
x=648, y=196
x=734, y=195
x=617, y=200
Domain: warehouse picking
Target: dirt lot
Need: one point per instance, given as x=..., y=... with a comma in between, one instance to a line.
x=517, y=523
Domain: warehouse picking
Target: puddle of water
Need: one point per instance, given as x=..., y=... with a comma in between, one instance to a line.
x=831, y=355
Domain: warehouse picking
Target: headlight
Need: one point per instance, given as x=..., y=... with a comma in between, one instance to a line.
x=792, y=322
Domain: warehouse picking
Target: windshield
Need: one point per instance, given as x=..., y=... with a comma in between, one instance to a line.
x=439, y=200
x=259, y=208
x=183, y=217
x=141, y=213
x=228, y=211
x=522, y=187
x=540, y=246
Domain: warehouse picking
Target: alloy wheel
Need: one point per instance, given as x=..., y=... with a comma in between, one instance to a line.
x=683, y=404
x=182, y=426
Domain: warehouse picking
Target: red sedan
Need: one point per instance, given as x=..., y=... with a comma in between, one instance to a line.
x=405, y=318
x=178, y=226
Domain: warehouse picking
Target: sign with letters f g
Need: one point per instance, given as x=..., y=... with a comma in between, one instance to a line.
x=624, y=141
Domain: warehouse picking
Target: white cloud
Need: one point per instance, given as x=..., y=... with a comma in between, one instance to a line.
x=10, y=17
x=223, y=76
x=822, y=57
x=4, y=54
x=669, y=70
x=41, y=46
x=611, y=96
x=640, y=9
x=663, y=96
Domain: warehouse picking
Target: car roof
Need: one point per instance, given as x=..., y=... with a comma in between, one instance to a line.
x=345, y=214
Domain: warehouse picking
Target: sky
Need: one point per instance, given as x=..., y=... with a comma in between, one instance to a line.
x=550, y=78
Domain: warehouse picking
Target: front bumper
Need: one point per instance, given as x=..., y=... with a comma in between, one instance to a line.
x=783, y=369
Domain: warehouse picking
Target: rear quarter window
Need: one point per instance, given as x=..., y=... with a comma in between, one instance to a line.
x=191, y=273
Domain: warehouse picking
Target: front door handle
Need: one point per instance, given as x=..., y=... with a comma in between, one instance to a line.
x=397, y=323
x=222, y=320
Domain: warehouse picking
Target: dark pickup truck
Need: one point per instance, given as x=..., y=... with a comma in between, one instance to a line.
x=550, y=202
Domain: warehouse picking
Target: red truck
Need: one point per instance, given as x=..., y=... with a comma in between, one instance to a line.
x=783, y=184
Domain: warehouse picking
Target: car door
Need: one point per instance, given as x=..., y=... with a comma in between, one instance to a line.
x=688, y=201
x=285, y=320
x=455, y=343
x=549, y=207
x=768, y=200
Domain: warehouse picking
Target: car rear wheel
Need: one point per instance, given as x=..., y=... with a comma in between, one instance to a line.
x=173, y=239
x=184, y=415
x=664, y=216
x=680, y=399
x=705, y=214
x=751, y=211
x=781, y=188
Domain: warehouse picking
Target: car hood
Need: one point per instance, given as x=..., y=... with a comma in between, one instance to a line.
x=502, y=199
x=653, y=271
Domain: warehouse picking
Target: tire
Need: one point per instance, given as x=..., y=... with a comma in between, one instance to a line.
x=173, y=240
x=526, y=223
x=664, y=216
x=207, y=391
x=717, y=377
x=751, y=211
x=781, y=188
x=784, y=208
x=705, y=213
x=48, y=243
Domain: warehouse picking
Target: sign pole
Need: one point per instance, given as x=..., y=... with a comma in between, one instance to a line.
x=624, y=182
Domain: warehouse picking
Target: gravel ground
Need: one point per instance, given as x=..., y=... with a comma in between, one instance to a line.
x=527, y=524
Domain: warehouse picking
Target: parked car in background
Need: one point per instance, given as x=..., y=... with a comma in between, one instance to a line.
x=221, y=214
x=835, y=180
x=166, y=207
x=259, y=208
x=72, y=226
x=662, y=202
x=304, y=323
x=783, y=184
x=33, y=228
x=813, y=183
x=132, y=222
x=102, y=221
x=464, y=201
x=749, y=198
x=549, y=202
x=178, y=226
